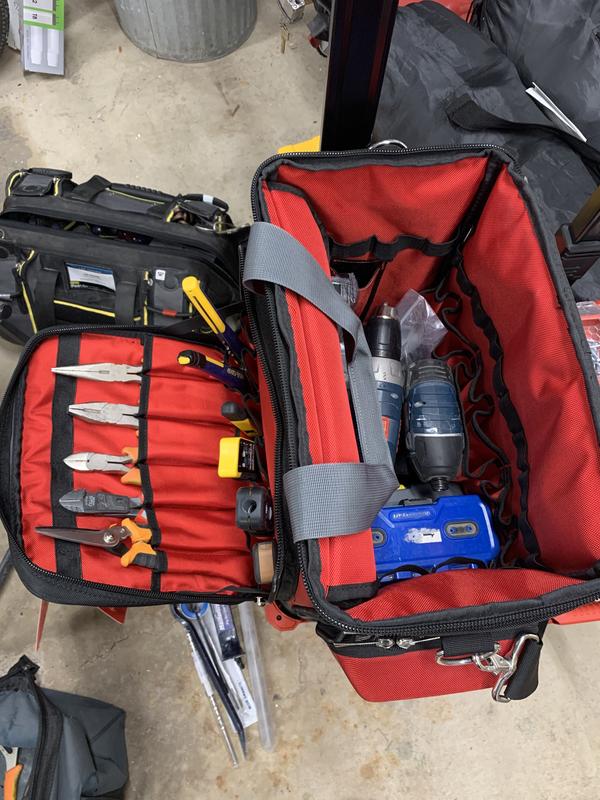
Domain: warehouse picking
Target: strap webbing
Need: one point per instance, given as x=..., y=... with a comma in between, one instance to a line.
x=274, y=256
x=88, y=190
x=125, y=302
x=45, y=291
x=68, y=554
x=468, y=114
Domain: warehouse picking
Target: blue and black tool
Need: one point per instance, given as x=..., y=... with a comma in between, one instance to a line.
x=453, y=532
x=435, y=437
x=383, y=338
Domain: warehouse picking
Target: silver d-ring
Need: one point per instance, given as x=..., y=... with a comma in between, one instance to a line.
x=387, y=143
x=452, y=661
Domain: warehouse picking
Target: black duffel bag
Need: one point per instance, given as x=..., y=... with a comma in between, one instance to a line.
x=102, y=252
x=58, y=746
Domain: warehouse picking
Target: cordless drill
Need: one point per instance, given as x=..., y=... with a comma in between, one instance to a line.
x=435, y=437
x=383, y=338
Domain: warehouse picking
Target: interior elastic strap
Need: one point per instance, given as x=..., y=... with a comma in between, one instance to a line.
x=327, y=500
x=386, y=251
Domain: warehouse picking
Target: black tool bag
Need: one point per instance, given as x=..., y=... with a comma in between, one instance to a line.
x=102, y=252
x=530, y=34
x=446, y=83
x=69, y=747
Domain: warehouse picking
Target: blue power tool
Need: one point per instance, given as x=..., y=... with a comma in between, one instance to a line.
x=429, y=535
x=383, y=338
x=435, y=437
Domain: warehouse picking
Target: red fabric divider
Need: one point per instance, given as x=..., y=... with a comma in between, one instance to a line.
x=544, y=378
x=348, y=559
x=35, y=456
x=409, y=676
x=359, y=202
x=457, y=589
x=194, y=508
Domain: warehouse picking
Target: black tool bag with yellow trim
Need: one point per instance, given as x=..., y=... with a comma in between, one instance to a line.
x=101, y=252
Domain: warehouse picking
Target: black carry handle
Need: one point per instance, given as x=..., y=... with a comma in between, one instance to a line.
x=468, y=114
x=87, y=191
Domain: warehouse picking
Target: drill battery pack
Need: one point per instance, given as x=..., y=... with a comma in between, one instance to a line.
x=450, y=533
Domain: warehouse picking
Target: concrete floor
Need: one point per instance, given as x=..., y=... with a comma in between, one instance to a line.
x=205, y=128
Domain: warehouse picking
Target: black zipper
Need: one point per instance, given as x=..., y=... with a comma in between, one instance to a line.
x=330, y=155
x=170, y=597
x=431, y=629
x=168, y=245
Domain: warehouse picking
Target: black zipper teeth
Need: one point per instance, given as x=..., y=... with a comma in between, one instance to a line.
x=500, y=621
x=176, y=597
x=348, y=154
x=41, y=744
x=277, y=509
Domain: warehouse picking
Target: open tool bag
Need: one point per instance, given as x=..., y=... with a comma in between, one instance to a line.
x=457, y=225
x=58, y=746
x=98, y=252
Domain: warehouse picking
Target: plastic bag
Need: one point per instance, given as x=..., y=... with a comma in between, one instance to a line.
x=420, y=327
x=590, y=316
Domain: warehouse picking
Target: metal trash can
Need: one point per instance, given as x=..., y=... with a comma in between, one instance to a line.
x=187, y=30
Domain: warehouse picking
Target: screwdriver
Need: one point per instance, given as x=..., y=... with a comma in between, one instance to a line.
x=239, y=417
x=228, y=376
x=225, y=334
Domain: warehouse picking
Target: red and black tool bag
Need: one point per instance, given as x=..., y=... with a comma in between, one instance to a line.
x=457, y=225
x=190, y=510
x=460, y=227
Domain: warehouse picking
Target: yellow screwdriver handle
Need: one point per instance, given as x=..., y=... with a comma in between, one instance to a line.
x=191, y=287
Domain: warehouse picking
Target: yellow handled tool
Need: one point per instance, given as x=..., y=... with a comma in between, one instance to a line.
x=225, y=334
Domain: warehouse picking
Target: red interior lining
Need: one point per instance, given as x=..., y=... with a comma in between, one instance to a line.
x=358, y=202
x=457, y=589
x=495, y=426
x=504, y=260
x=347, y=559
x=544, y=377
x=195, y=509
x=35, y=481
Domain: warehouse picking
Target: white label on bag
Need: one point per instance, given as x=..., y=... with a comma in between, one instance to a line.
x=423, y=535
x=160, y=274
x=82, y=274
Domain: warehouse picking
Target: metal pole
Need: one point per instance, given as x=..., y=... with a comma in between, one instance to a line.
x=360, y=35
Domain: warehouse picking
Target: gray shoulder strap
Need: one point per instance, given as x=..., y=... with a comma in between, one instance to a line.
x=327, y=499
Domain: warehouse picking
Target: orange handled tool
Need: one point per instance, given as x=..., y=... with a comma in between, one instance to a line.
x=11, y=772
x=140, y=545
x=133, y=477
